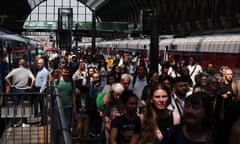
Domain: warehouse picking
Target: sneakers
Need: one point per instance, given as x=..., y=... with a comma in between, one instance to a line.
x=15, y=125
x=24, y=125
x=98, y=134
x=92, y=134
x=40, y=124
x=95, y=134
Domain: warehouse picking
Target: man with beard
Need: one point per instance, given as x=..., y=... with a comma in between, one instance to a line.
x=180, y=89
x=95, y=87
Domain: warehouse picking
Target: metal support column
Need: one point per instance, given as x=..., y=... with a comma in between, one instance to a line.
x=93, y=32
x=154, y=42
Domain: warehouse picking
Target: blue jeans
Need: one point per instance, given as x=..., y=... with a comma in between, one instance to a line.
x=68, y=116
x=18, y=98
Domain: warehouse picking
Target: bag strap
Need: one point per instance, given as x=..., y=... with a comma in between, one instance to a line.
x=193, y=70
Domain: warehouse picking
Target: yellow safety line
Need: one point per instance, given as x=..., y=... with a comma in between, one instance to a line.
x=42, y=136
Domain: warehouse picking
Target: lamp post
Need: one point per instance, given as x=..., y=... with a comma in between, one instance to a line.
x=150, y=27
x=154, y=41
x=93, y=32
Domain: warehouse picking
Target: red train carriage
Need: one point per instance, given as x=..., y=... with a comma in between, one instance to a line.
x=220, y=50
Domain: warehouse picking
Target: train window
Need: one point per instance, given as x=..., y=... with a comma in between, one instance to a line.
x=51, y=51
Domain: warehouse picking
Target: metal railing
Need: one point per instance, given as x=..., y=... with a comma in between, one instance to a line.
x=14, y=133
x=13, y=116
x=60, y=133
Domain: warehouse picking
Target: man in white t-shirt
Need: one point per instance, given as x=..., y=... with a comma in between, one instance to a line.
x=194, y=68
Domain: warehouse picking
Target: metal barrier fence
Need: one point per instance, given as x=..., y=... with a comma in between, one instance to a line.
x=13, y=116
x=54, y=130
x=60, y=134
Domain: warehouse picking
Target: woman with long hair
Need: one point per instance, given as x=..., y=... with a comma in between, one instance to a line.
x=228, y=90
x=102, y=69
x=116, y=72
x=156, y=119
x=80, y=75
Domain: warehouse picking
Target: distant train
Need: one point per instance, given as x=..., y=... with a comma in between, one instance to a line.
x=220, y=50
x=15, y=47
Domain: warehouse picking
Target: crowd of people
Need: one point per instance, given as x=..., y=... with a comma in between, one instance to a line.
x=122, y=100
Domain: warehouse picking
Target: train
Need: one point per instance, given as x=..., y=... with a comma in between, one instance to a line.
x=14, y=47
x=218, y=49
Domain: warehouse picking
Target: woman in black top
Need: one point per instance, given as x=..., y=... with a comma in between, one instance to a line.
x=215, y=99
x=123, y=127
x=156, y=119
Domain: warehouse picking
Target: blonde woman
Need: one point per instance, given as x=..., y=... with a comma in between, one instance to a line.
x=228, y=90
x=80, y=75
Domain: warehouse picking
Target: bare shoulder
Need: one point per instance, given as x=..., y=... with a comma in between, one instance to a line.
x=176, y=118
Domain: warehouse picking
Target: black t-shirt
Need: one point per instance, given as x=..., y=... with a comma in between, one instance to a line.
x=175, y=135
x=165, y=120
x=126, y=128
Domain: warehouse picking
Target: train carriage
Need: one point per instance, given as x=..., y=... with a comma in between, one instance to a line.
x=219, y=49
x=17, y=47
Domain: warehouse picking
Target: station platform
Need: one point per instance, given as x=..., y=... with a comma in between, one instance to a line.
x=35, y=134
x=16, y=134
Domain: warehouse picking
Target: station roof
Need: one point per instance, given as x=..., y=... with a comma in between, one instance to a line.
x=17, y=11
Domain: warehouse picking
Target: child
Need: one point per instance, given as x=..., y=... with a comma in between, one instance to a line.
x=84, y=104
